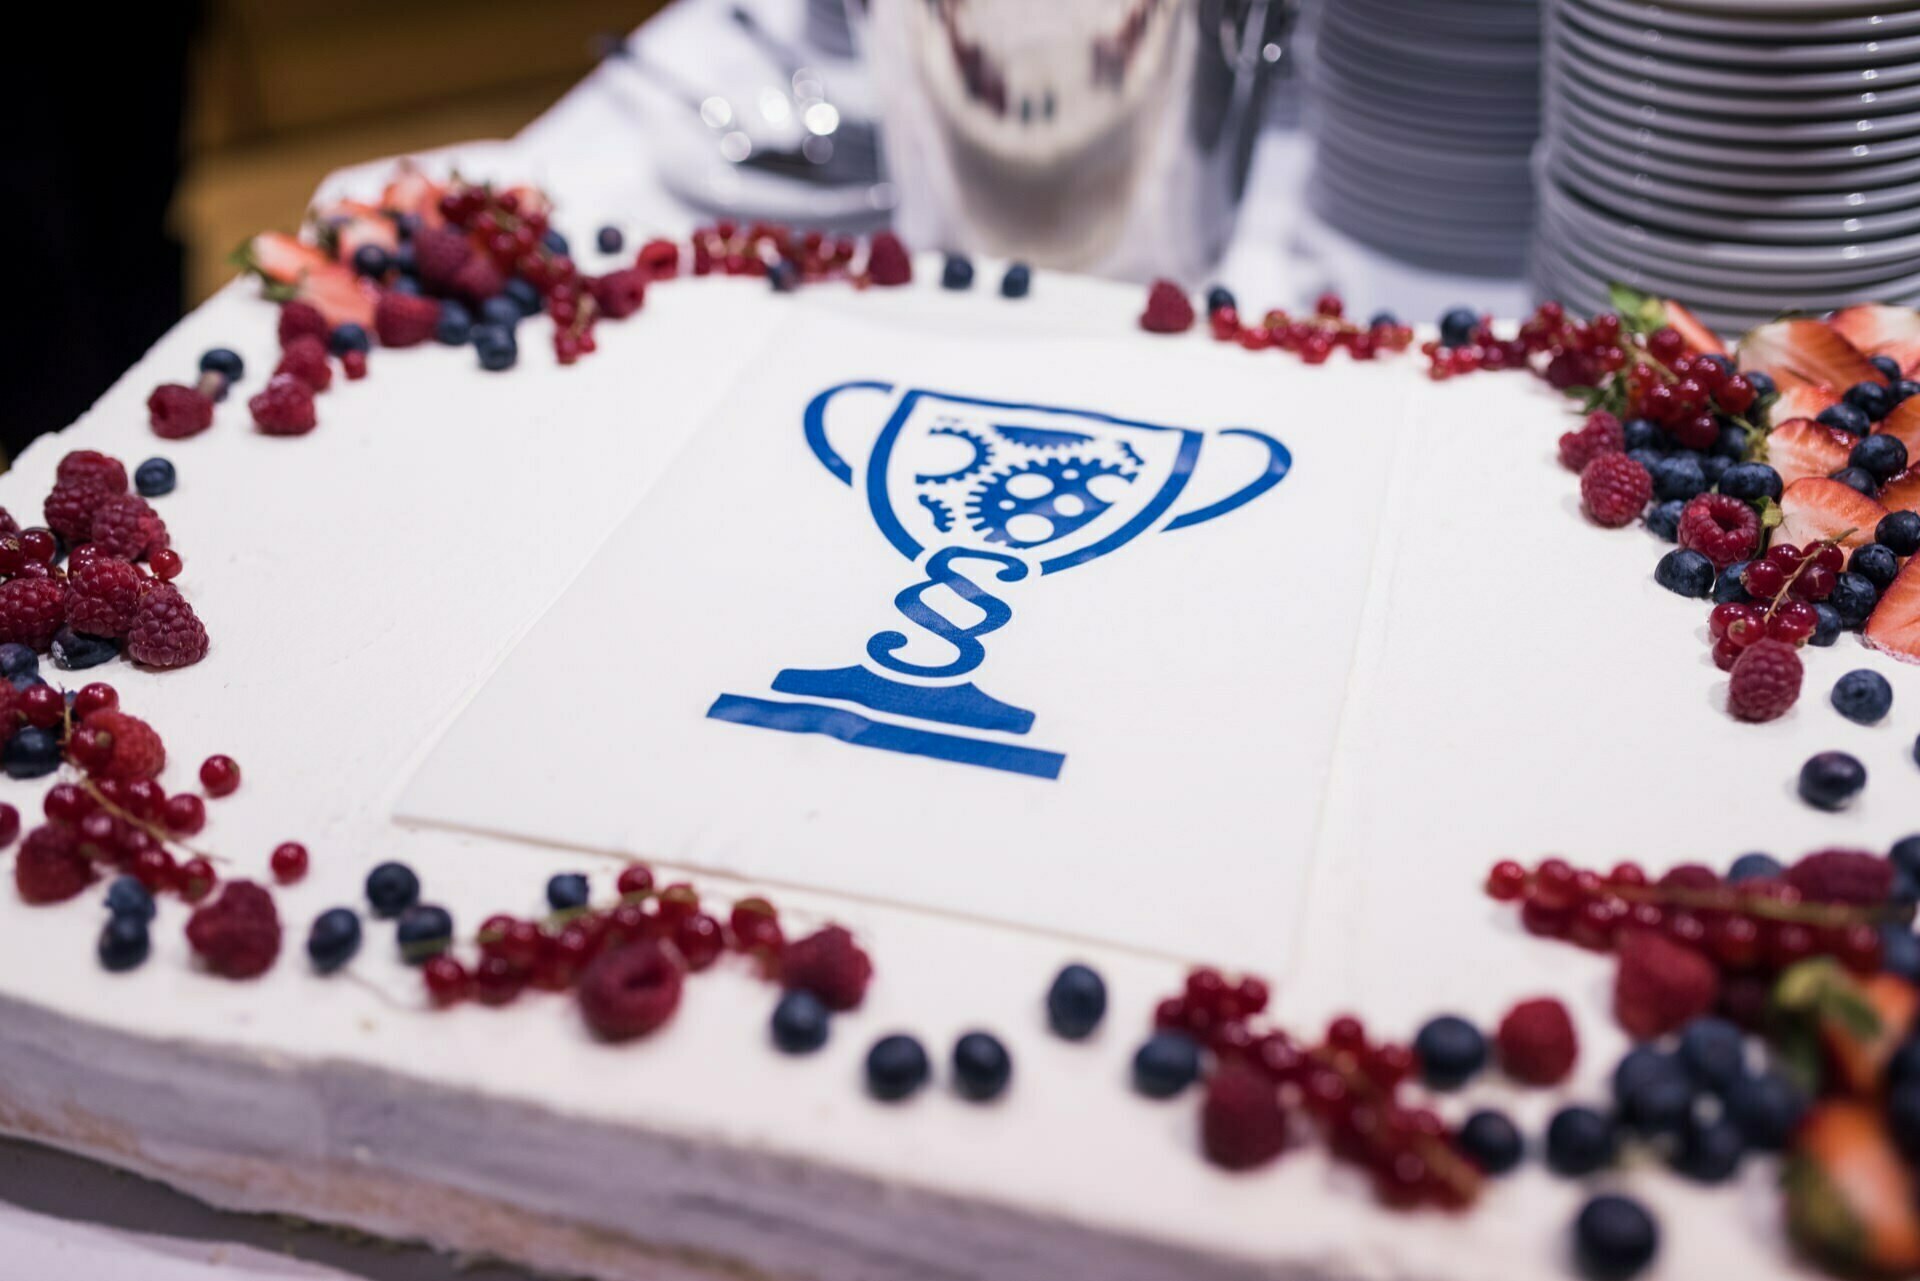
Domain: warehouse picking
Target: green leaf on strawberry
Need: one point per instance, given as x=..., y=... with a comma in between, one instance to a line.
x=1641, y=313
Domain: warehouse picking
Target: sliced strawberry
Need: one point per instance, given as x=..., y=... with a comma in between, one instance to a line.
x=531, y=199
x=1904, y=422
x=1860, y=1057
x=281, y=258
x=1879, y=329
x=412, y=192
x=1895, y=626
x=1800, y=447
x=1800, y=399
x=1816, y=508
x=294, y=269
x=351, y=224
x=1699, y=337
x=1810, y=350
x=1850, y=1198
x=1902, y=493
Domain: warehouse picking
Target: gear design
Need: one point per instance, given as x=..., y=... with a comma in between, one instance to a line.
x=1041, y=437
x=982, y=456
x=941, y=513
x=1067, y=502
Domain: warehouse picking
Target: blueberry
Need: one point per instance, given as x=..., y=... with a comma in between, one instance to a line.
x=1827, y=625
x=456, y=324
x=76, y=651
x=404, y=285
x=783, y=277
x=405, y=259
x=348, y=337
x=1713, y=1052
x=1638, y=1066
x=1750, y=482
x=1830, y=779
x=1731, y=585
x=1165, y=1065
x=1451, y=1050
x=1880, y=455
x=1647, y=458
x=425, y=931
x=1076, y=1002
x=610, y=240
x=1723, y=363
x=981, y=1066
x=800, y=1022
x=370, y=260
x=1579, y=1141
x=1764, y=388
x=392, y=888
x=1875, y=562
x=1853, y=598
x=1383, y=318
x=128, y=897
x=1685, y=572
x=1847, y=417
x=1903, y=1118
x=1663, y=519
x=1491, y=1141
x=1220, y=296
x=1754, y=867
x=1862, y=696
x=1916, y=750
x=17, y=660
x=1614, y=1237
x=1730, y=444
x=1715, y=466
x=1871, y=399
x=1886, y=365
x=896, y=1067
x=567, y=890
x=957, y=273
x=1017, y=281
x=1767, y=1108
x=1900, y=951
x=1457, y=327
x=1904, y=1066
x=31, y=753
x=224, y=361
x=1710, y=1151
x=1903, y=389
x=124, y=943
x=495, y=346
x=1906, y=854
x=1660, y=1104
x=333, y=938
x=1858, y=479
x=556, y=243
x=1643, y=433
x=1900, y=532
x=524, y=295
x=501, y=310
x=1680, y=476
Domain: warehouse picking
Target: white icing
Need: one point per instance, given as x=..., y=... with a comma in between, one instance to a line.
x=1521, y=687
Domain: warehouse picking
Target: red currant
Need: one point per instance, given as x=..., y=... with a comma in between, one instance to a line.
x=447, y=980
x=184, y=814
x=1506, y=881
x=96, y=696
x=66, y=803
x=42, y=705
x=166, y=564
x=220, y=775
x=38, y=545
x=289, y=862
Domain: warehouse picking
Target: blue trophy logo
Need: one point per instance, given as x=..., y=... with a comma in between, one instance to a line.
x=980, y=494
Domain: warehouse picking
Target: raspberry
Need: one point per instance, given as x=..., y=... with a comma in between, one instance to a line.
x=1242, y=1124
x=405, y=320
x=31, y=611
x=1169, y=310
x=829, y=964
x=1721, y=528
x=50, y=867
x=354, y=365
x=70, y=506
x=120, y=746
x=238, y=934
x=301, y=320
x=176, y=412
x=620, y=293
x=95, y=467
x=1660, y=984
x=102, y=593
x=438, y=255
x=1843, y=876
x=1536, y=1042
x=477, y=280
x=165, y=631
x=127, y=526
x=1765, y=681
x=285, y=408
x=630, y=991
x=306, y=359
x=1614, y=490
x=1602, y=434
x=888, y=262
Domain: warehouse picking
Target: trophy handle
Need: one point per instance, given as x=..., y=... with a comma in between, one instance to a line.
x=1279, y=462
x=816, y=425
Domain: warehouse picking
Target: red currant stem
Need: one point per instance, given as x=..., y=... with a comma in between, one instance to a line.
x=155, y=830
x=1786, y=588
x=1437, y=1153
x=1732, y=901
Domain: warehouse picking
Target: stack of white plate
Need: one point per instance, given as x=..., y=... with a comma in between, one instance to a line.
x=1424, y=114
x=1744, y=156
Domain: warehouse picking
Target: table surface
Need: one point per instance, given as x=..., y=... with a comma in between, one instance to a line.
x=65, y=1217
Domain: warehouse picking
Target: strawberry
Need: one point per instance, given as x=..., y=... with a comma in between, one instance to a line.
x=1801, y=447
x=413, y=193
x=1850, y=1198
x=1904, y=422
x=352, y=224
x=1902, y=493
x=1881, y=330
x=296, y=270
x=1807, y=349
x=1816, y=508
x=1894, y=627
x=1800, y=399
x=1700, y=338
x=1860, y=1048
